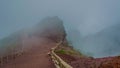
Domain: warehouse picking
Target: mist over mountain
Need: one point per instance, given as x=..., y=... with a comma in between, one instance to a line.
x=50, y=28
x=82, y=20
x=102, y=44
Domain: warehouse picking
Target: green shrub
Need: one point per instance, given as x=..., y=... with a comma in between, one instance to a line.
x=61, y=51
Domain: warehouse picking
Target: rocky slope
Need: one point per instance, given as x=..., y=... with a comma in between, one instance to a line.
x=78, y=60
x=107, y=62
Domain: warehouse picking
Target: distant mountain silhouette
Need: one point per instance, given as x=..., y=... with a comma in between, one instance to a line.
x=104, y=43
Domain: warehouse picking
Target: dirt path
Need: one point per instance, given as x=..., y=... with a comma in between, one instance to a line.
x=36, y=57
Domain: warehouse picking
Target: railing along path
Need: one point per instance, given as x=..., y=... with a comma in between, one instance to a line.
x=58, y=62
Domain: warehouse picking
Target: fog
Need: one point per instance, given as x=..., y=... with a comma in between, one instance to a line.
x=82, y=18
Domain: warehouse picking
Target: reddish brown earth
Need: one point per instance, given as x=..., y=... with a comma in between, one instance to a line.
x=87, y=62
x=35, y=56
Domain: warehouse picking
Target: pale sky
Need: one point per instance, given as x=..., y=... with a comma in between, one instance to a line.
x=88, y=16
